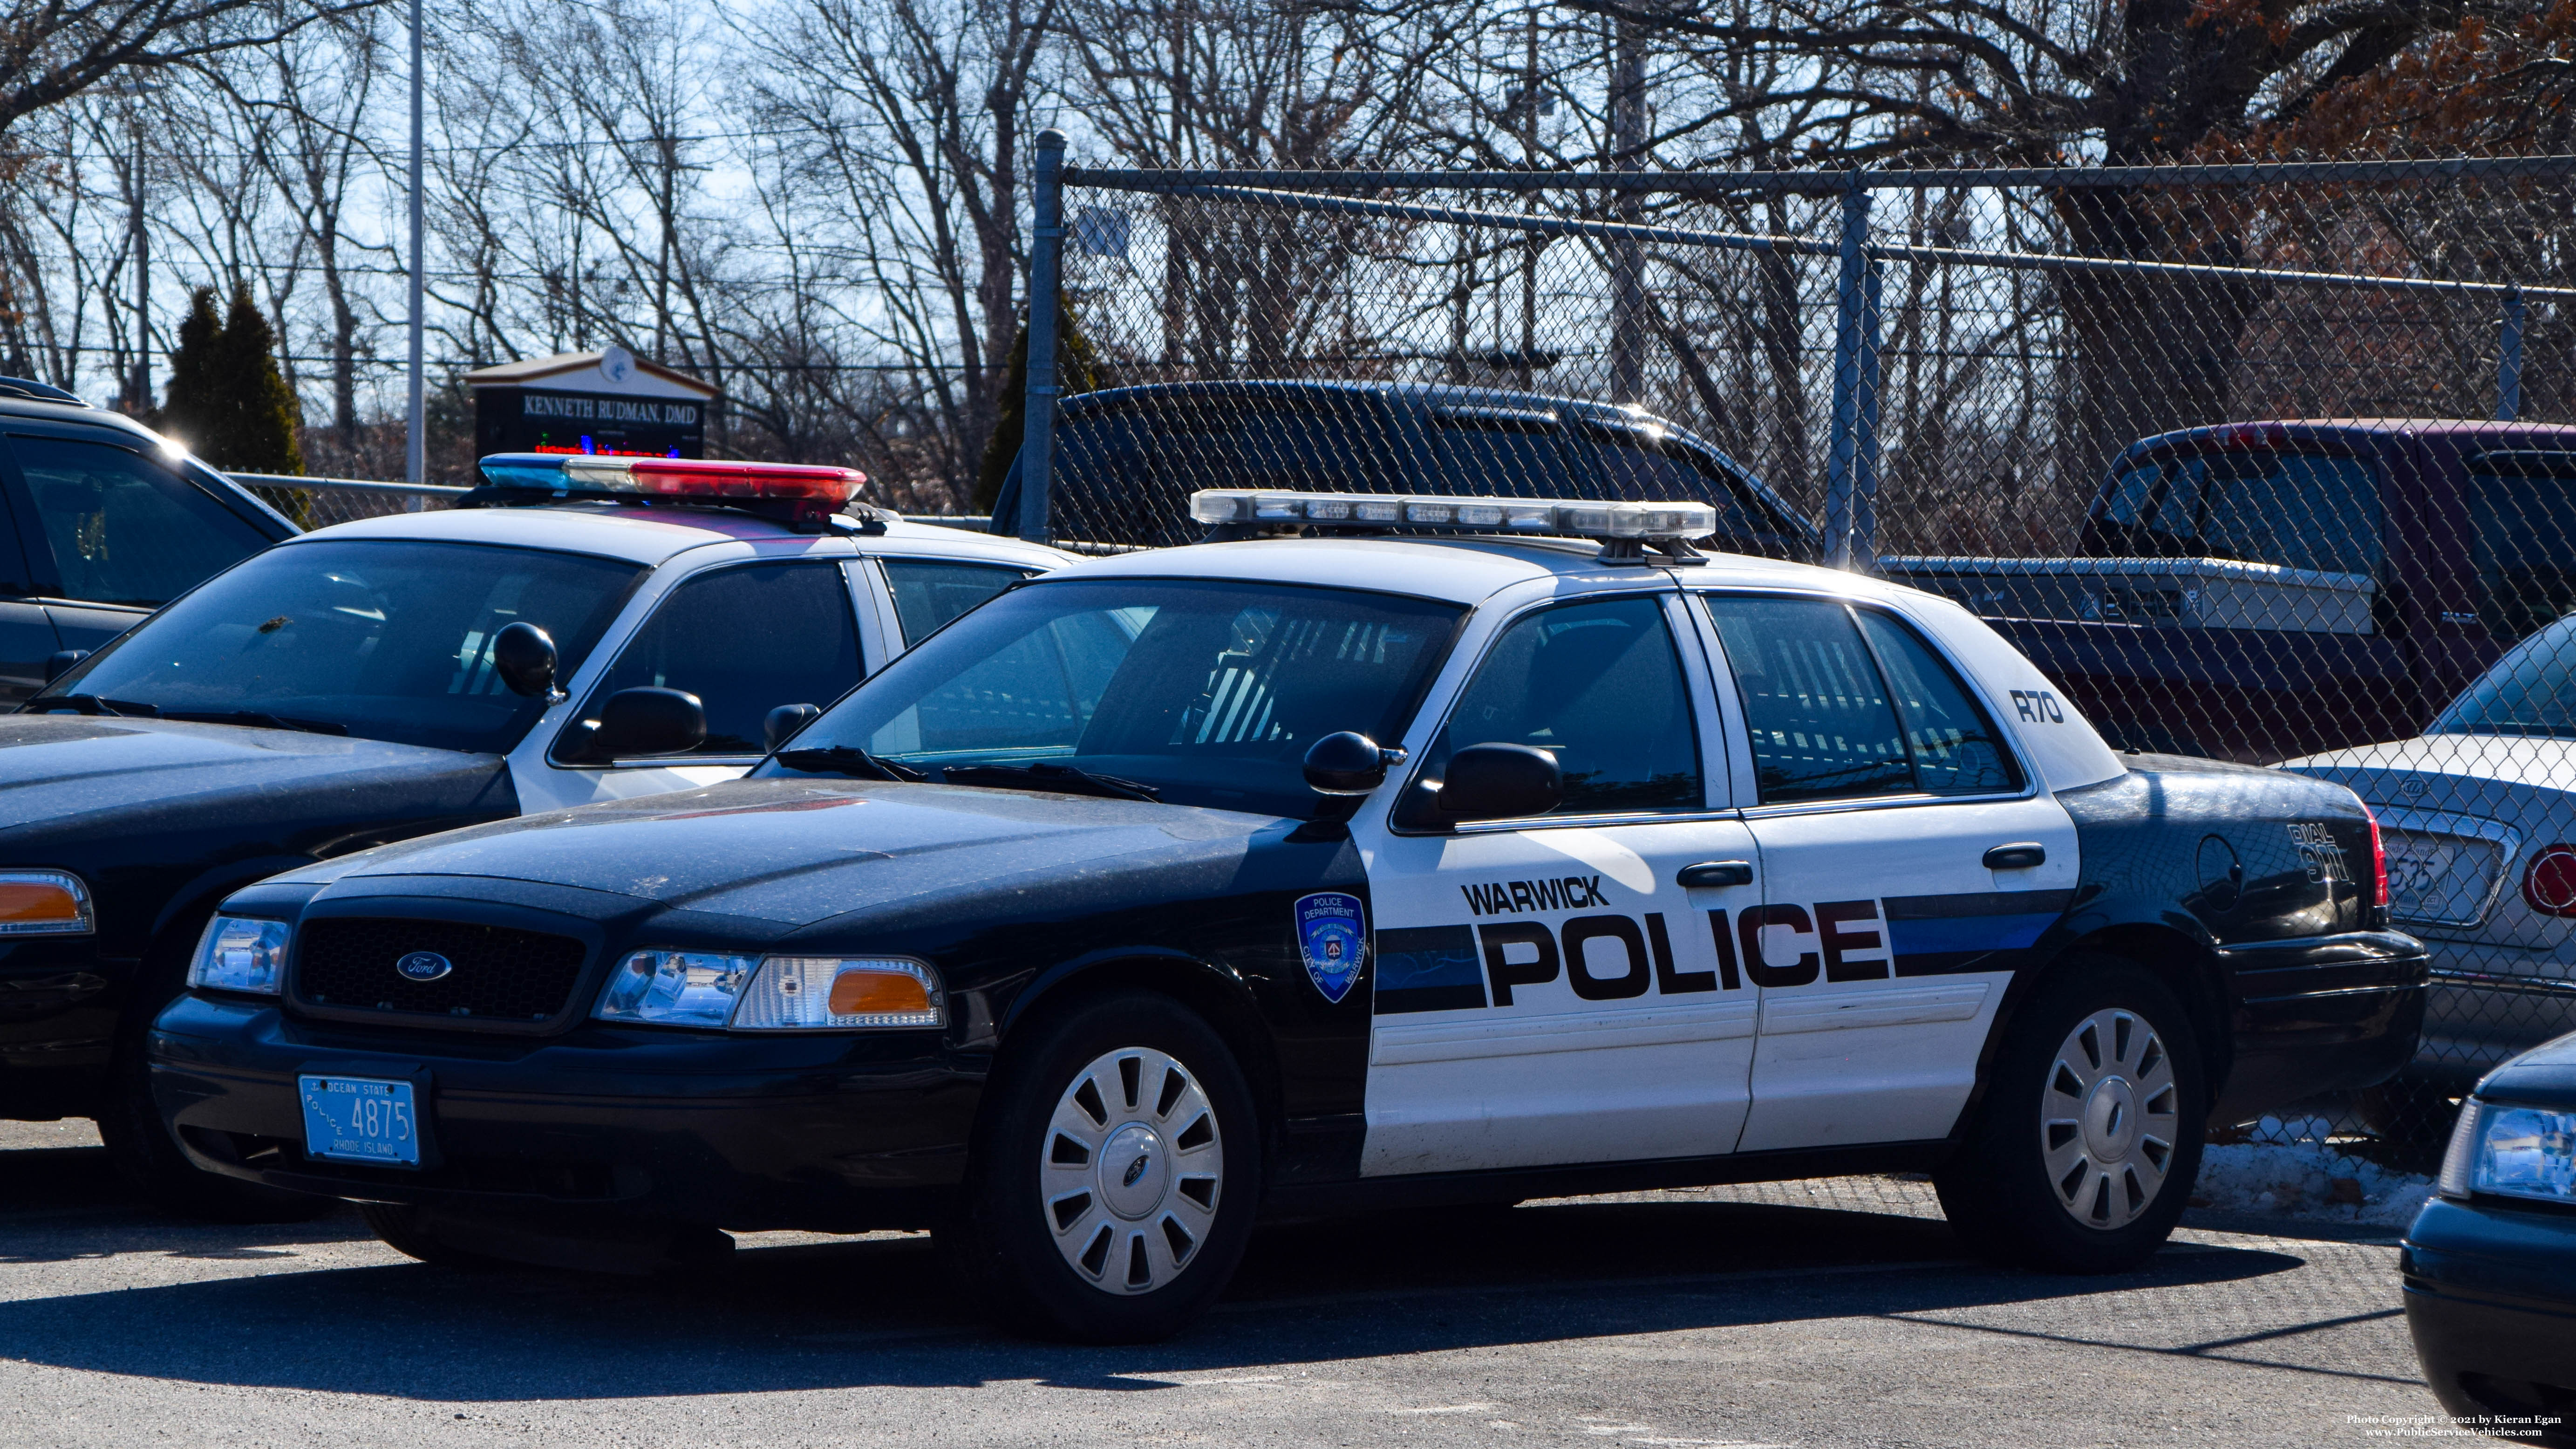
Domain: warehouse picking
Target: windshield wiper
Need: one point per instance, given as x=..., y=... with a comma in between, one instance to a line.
x=90, y=704
x=257, y=719
x=849, y=760
x=1045, y=775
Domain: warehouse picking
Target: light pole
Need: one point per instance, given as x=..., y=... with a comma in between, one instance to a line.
x=415, y=441
x=139, y=383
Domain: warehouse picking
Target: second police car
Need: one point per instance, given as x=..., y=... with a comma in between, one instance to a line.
x=1518, y=851
x=585, y=628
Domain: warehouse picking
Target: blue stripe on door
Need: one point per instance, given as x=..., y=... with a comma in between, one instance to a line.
x=1974, y=931
x=1428, y=968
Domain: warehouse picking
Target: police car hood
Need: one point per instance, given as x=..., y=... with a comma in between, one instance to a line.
x=799, y=850
x=100, y=774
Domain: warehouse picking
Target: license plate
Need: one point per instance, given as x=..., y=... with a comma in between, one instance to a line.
x=361, y=1119
x=2419, y=874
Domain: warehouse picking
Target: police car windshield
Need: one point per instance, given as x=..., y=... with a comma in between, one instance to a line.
x=1207, y=691
x=386, y=640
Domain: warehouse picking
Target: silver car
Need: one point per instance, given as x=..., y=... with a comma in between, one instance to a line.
x=2479, y=818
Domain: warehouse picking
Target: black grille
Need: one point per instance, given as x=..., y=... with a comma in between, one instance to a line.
x=498, y=974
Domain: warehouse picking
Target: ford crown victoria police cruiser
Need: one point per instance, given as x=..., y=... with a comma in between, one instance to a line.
x=402, y=675
x=1308, y=874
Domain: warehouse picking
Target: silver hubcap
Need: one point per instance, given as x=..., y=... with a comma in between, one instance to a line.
x=1130, y=1170
x=2107, y=1120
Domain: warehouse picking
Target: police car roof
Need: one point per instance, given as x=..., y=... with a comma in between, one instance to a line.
x=1460, y=568
x=653, y=535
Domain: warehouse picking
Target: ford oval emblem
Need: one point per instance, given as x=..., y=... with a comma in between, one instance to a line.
x=424, y=966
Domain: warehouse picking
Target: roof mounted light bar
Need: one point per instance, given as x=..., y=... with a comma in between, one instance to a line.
x=1625, y=529
x=799, y=493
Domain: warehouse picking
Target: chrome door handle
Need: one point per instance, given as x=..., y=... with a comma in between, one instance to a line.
x=2021, y=856
x=1717, y=873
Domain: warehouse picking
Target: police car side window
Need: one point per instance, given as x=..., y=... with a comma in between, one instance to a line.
x=1956, y=749
x=1844, y=703
x=927, y=594
x=1821, y=724
x=744, y=640
x=1600, y=687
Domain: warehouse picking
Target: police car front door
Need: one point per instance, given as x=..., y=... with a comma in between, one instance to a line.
x=1906, y=872
x=1547, y=991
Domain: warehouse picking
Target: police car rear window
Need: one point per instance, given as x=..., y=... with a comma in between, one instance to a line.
x=1210, y=691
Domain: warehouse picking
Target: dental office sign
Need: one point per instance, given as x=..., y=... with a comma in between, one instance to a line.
x=605, y=402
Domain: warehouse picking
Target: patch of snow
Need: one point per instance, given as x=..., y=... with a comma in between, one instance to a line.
x=2294, y=1169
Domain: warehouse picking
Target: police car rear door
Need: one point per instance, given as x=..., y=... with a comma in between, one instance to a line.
x=1547, y=991
x=1908, y=866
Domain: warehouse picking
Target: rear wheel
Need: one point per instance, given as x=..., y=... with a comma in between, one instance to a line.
x=1114, y=1174
x=2086, y=1145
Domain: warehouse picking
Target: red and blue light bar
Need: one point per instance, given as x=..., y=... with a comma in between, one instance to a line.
x=806, y=490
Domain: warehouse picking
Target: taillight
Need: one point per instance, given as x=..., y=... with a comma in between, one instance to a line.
x=2378, y=860
x=2549, y=886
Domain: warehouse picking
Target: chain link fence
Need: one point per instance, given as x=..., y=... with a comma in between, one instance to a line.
x=321, y=502
x=2272, y=463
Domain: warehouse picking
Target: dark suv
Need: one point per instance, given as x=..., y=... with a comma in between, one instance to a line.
x=104, y=522
x=1127, y=459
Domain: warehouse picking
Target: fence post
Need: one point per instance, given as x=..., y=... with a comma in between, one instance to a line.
x=1037, y=411
x=2509, y=359
x=1863, y=548
x=1851, y=325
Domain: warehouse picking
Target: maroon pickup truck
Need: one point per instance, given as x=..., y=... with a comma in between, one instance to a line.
x=2257, y=591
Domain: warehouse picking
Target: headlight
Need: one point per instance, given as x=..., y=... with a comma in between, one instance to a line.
x=2511, y=1152
x=43, y=903
x=674, y=988
x=824, y=992
x=240, y=954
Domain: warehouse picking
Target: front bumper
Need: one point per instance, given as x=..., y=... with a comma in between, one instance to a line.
x=2491, y=1302
x=835, y=1133
x=2320, y=1014
x=59, y=1001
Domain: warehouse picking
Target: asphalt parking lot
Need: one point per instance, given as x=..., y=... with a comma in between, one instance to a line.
x=1807, y=1314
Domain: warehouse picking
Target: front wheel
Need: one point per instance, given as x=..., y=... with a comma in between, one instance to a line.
x=138, y=1141
x=1114, y=1175
x=2089, y=1137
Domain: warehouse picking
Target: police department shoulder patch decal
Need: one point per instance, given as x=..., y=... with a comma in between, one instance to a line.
x=1332, y=939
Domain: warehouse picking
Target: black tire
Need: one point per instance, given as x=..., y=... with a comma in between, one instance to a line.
x=2024, y=1191
x=147, y=1157
x=2412, y=1117
x=1053, y=1246
x=400, y=1227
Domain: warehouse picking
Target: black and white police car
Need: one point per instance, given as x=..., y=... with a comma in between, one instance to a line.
x=604, y=628
x=1517, y=850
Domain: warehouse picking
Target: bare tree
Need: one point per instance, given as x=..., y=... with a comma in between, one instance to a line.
x=51, y=51
x=914, y=116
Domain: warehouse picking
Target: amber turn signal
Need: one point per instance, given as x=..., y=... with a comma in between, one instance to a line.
x=862, y=992
x=43, y=902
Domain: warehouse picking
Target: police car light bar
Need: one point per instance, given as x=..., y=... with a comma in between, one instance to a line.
x=805, y=490
x=1256, y=507
x=709, y=478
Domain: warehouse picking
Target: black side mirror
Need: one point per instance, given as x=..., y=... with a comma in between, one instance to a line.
x=646, y=720
x=1500, y=782
x=1347, y=763
x=61, y=661
x=524, y=656
x=783, y=722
